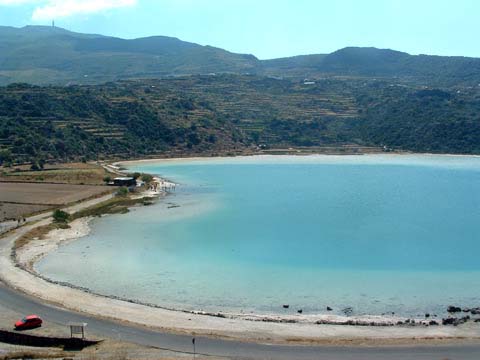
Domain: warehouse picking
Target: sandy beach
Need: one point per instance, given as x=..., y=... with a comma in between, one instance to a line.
x=17, y=272
x=38, y=248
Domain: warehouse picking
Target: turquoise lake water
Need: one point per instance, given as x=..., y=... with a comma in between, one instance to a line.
x=375, y=233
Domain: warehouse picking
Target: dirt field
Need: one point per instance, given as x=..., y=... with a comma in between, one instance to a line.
x=24, y=192
x=47, y=194
x=22, y=199
x=15, y=211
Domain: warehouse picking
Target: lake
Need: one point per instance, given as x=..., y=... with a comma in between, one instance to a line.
x=374, y=233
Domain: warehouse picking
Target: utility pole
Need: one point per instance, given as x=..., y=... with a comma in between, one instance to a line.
x=53, y=23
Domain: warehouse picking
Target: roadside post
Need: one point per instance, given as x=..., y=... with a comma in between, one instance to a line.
x=193, y=342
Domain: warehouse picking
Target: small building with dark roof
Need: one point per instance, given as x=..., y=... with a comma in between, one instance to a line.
x=124, y=181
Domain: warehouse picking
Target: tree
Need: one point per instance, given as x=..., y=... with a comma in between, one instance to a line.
x=5, y=156
x=147, y=178
x=107, y=179
x=37, y=165
x=60, y=216
x=135, y=175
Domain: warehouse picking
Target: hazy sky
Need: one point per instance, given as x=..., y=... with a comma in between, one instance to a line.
x=270, y=28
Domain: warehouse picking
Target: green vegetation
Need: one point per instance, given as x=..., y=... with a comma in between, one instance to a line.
x=359, y=96
x=123, y=192
x=381, y=64
x=422, y=120
x=60, y=216
x=229, y=114
x=116, y=205
x=135, y=175
x=147, y=178
x=45, y=55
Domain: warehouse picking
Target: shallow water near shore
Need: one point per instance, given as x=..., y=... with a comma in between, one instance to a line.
x=379, y=234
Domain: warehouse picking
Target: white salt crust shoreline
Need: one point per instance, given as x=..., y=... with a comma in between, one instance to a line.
x=259, y=328
x=395, y=155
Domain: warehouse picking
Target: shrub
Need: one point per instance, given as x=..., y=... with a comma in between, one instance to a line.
x=123, y=191
x=60, y=216
x=34, y=167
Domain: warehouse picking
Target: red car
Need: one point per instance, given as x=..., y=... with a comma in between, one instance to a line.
x=28, y=322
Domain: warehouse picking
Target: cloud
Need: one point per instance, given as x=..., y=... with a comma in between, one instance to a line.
x=54, y=9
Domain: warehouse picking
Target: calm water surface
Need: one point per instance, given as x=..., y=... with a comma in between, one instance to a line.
x=375, y=233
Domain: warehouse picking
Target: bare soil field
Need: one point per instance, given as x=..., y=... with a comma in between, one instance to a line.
x=47, y=194
x=14, y=211
x=21, y=199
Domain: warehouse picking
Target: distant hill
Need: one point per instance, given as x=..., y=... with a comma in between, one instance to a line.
x=48, y=55
x=373, y=62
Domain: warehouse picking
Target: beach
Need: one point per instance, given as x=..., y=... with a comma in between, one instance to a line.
x=18, y=272
x=248, y=328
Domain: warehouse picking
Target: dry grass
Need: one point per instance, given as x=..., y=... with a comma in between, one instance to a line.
x=116, y=351
x=36, y=233
x=73, y=173
x=116, y=205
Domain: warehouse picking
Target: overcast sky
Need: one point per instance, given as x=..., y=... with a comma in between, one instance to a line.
x=270, y=28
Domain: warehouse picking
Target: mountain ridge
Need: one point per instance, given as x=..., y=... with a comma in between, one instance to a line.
x=50, y=55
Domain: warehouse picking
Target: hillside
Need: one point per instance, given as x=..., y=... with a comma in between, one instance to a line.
x=381, y=63
x=109, y=97
x=230, y=113
x=46, y=55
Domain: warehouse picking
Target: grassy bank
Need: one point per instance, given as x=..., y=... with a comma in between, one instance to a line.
x=116, y=205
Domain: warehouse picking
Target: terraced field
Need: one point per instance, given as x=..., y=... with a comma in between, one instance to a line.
x=231, y=114
x=250, y=99
x=250, y=103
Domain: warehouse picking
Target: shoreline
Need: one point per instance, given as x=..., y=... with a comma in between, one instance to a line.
x=203, y=158
x=27, y=256
x=248, y=327
x=36, y=249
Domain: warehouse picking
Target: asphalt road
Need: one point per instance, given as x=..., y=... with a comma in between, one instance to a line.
x=239, y=350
